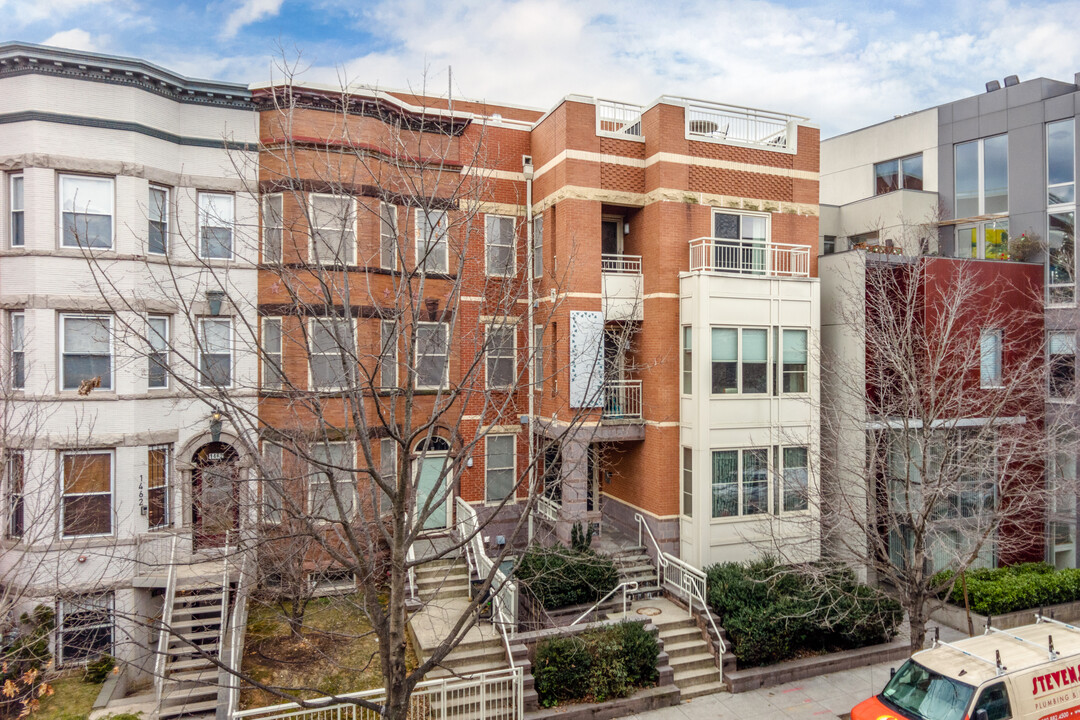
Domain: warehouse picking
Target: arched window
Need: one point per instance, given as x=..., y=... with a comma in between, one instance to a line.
x=434, y=445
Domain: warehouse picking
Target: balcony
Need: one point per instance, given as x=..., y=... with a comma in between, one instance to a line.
x=622, y=400
x=617, y=119
x=736, y=125
x=621, y=287
x=749, y=257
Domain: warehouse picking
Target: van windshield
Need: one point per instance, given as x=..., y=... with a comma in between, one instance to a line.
x=922, y=693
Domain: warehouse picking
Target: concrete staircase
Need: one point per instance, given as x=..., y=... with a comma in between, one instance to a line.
x=634, y=564
x=190, y=685
x=695, y=668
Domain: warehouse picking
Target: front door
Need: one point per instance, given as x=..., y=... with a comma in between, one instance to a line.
x=215, y=507
x=431, y=483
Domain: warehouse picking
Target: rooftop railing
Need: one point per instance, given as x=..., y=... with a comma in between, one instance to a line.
x=749, y=257
x=616, y=118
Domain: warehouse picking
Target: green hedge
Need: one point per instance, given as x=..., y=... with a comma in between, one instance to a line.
x=598, y=665
x=773, y=613
x=1019, y=587
x=558, y=576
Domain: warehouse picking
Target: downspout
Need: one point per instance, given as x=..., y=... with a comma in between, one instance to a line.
x=527, y=171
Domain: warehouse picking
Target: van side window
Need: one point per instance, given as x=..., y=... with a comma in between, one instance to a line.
x=995, y=701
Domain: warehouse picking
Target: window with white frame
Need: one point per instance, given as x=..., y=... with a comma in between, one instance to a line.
x=273, y=218
x=86, y=507
x=332, y=493
x=990, y=358
x=740, y=482
x=159, y=462
x=432, y=354
x=688, y=360
x=85, y=351
x=796, y=478
x=84, y=628
x=388, y=348
x=902, y=174
x=272, y=374
x=333, y=229
x=740, y=360
x=215, y=352
x=499, y=467
x=157, y=221
x=86, y=211
x=273, y=484
x=499, y=234
x=1061, y=162
x=14, y=486
x=982, y=176
x=538, y=246
x=794, y=356
x=17, y=211
x=17, y=338
x=687, y=482
x=388, y=236
x=501, y=343
x=538, y=358
x=216, y=220
x=1061, y=347
x=432, y=252
x=1061, y=251
x=330, y=352
x=985, y=240
x=157, y=337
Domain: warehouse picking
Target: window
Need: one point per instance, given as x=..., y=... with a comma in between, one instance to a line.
x=538, y=357
x=828, y=245
x=158, y=338
x=740, y=482
x=388, y=468
x=85, y=627
x=272, y=375
x=15, y=478
x=331, y=474
x=688, y=360
x=157, y=221
x=432, y=354
x=86, y=507
x=329, y=352
x=905, y=173
x=538, y=246
x=273, y=217
x=995, y=701
x=990, y=359
x=1062, y=349
x=499, y=467
x=17, y=333
x=388, y=343
x=333, y=229
x=157, y=485
x=751, y=233
x=984, y=240
x=982, y=176
x=1061, y=244
x=431, y=245
x=796, y=477
x=216, y=226
x=500, y=245
x=725, y=360
x=86, y=350
x=795, y=361
x=1061, y=162
x=273, y=501
x=501, y=370
x=17, y=234
x=86, y=211
x=215, y=352
x=388, y=241
x=687, y=482
x=755, y=352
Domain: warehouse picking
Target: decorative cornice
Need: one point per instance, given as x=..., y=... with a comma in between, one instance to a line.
x=27, y=58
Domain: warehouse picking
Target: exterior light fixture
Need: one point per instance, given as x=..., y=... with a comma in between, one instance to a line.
x=215, y=424
x=215, y=298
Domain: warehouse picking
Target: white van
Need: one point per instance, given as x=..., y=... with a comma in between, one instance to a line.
x=1027, y=673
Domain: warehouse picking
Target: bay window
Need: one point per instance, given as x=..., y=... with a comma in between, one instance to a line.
x=157, y=221
x=14, y=486
x=85, y=350
x=273, y=227
x=86, y=507
x=17, y=337
x=157, y=485
x=332, y=477
x=86, y=212
x=432, y=254
x=216, y=216
x=333, y=230
x=17, y=209
x=330, y=352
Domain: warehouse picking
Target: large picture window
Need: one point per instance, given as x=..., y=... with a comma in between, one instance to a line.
x=982, y=176
x=432, y=354
x=432, y=253
x=901, y=174
x=215, y=352
x=499, y=467
x=500, y=245
x=84, y=627
x=331, y=474
x=86, y=350
x=157, y=485
x=740, y=482
x=86, y=211
x=333, y=229
x=216, y=216
x=86, y=505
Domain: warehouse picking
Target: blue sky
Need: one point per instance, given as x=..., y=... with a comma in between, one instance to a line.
x=843, y=64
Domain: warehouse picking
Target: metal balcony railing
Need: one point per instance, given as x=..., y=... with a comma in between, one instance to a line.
x=622, y=400
x=749, y=257
x=618, y=118
x=618, y=263
x=740, y=125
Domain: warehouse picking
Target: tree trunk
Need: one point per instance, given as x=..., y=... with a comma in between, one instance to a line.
x=917, y=622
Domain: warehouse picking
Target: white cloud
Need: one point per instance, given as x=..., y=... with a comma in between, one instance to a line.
x=75, y=39
x=250, y=11
x=24, y=12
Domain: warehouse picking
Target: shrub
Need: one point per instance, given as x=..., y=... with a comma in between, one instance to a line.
x=597, y=665
x=558, y=576
x=639, y=650
x=98, y=670
x=1010, y=589
x=562, y=669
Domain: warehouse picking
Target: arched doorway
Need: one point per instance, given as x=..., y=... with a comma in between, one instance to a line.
x=429, y=464
x=215, y=501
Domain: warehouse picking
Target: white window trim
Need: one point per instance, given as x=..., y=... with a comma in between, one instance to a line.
x=769, y=361
x=900, y=172
x=781, y=480
x=112, y=492
x=421, y=239
x=537, y=269
x=511, y=327
x=267, y=356
x=60, y=210
x=684, y=453
x=351, y=255
x=199, y=225
x=741, y=213
x=168, y=223
x=12, y=498
x=1061, y=210
x=683, y=369
x=12, y=210
x=168, y=486
x=64, y=317
x=166, y=339
x=16, y=345
x=312, y=324
x=999, y=353
x=980, y=143
x=312, y=483
x=488, y=245
x=385, y=233
x=202, y=347
x=446, y=364
x=512, y=498
x=62, y=614
x=280, y=227
x=779, y=360
x=770, y=488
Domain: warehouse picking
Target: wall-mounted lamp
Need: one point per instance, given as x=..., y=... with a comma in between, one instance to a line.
x=468, y=461
x=215, y=424
x=215, y=298
x=626, y=227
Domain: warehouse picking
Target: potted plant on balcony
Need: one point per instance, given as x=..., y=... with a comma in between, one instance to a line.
x=1026, y=247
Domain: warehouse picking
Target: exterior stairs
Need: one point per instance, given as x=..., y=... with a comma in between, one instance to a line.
x=634, y=564
x=688, y=652
x=190, y=685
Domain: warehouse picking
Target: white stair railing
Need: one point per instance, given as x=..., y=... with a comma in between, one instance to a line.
x=237, y=631
x=624, y=586
x=504, y=591
x=166, y=623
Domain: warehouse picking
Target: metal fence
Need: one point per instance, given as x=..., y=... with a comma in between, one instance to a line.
x=618, y=118
x=749, y=257
x=622, y=399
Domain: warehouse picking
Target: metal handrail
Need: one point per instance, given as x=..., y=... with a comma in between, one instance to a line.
x=166, y=622
x=236, y=626
x=224, y=596
x=501, y=585
x=620, y=263
x=410, y=576
x=624, y=586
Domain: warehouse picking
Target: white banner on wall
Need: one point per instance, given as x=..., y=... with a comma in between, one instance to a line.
x=586, y=359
